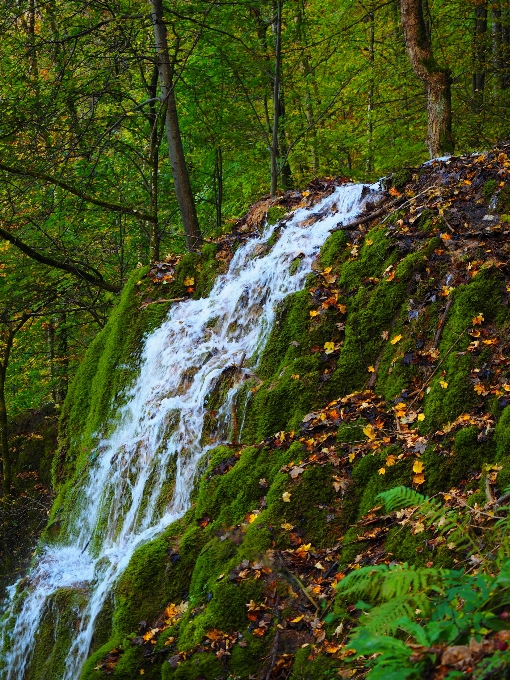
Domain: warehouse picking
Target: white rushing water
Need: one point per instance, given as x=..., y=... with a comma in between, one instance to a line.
x=120, y=503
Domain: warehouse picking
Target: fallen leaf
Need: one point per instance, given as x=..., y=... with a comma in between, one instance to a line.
x=286, y=497
x=477, y=320
x=417, y=466
x=382, y=471
x=419, y=479
x=287, y=526
x=329, y=347
x=369, y=431
x=421, y=417
x=371, y=369
x=314, y=312
x=396, y=339
x=189, y=281
x=443, y=384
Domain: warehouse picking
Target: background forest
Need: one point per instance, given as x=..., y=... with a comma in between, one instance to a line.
x=269, y=95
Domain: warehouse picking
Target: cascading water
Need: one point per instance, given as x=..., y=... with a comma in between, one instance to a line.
x=123, y=498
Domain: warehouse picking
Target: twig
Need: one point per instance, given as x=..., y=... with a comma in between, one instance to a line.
x=276, y=640
x=488, y=490
x=442, y=323
x=503, y=498
x=158, y=302
x=437, y=368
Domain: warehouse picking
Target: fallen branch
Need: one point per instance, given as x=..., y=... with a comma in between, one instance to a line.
x=158, y=302
x=372, y=216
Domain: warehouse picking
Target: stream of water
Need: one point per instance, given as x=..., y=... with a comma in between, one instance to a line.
x=122, y=500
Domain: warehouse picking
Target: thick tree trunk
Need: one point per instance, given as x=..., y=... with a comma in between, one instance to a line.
x=436, y=79
x=180, y=173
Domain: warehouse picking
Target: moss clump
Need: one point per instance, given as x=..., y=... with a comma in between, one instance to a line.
x=401, y=178
x=489, y=189
x=275, y=213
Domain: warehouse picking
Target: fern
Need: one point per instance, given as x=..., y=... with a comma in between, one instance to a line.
x=401, y=497
x=385, y=618
x=445, y=521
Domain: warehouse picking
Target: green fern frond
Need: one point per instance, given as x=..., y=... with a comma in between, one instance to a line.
x=383, y=620
x=401, y=497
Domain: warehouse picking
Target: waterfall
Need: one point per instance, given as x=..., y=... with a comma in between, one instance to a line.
x=123, y=498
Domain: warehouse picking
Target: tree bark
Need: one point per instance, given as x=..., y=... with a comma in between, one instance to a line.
x=479, y=56
x=276, y=100
x=4, y=433
x=155, y=237
x=437, y=80
x=180, y=173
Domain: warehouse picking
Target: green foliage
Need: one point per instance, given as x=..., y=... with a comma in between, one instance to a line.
x=430, y=606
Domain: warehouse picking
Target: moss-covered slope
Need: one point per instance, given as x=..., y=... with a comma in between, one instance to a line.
x=390, y=368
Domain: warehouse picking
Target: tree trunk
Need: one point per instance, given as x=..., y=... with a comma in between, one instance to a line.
x=180, y=173
x=4, y=438
x=479, y=56
x=369, y=164
x=436, y=79
x=218, y=183
x=276, y=100
x=155, y=238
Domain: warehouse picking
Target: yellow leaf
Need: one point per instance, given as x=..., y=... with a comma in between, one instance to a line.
x=314, y=312
x=445, y=237
x=419, y=478
x=421, y=417
x=286, y=497
x=368, y=241
x=418, y=466
x=418, y=528
x=305, y=193
x=369, y=431
x=390, y=460
x=371, y=369
x=295, y=376
x=298, y=619
x=352, y=456
x=396, y=339
x=477, y=320
x=382, y=471
x=443, y=384
x=342, y=308
x=327, y=270
x=329, y=347
x=287, y=526
x=189, y=281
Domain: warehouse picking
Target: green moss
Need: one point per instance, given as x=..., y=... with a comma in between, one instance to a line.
x=401, y=178
x=60, y=618
x=481, y=295
x=275, y=213
x=489, y=189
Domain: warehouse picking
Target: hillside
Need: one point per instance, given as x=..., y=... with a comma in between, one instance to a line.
x=387, y=368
